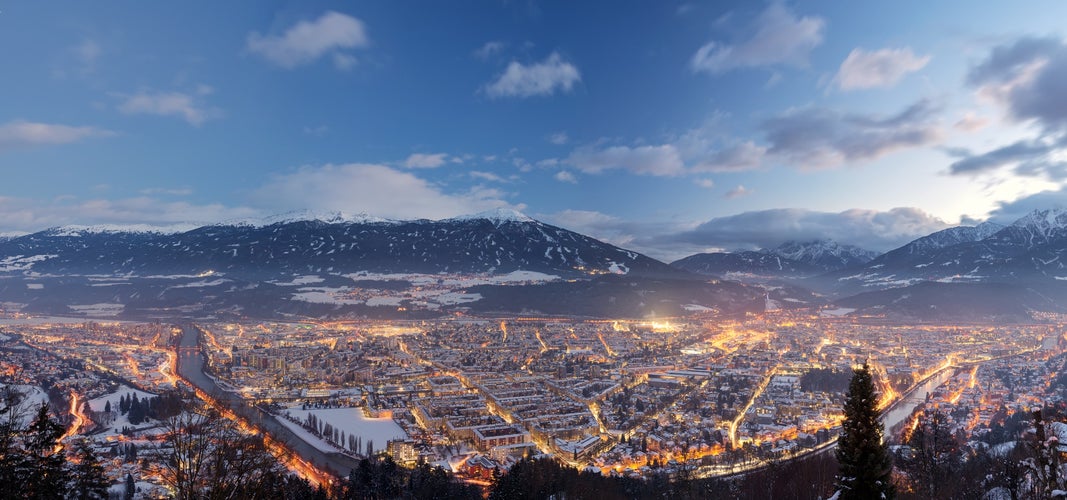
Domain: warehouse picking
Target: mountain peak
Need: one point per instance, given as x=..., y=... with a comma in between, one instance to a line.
x=1043, y=221
x=328, y=217
x=497, y=216
x=825, y=253
x=82, y=230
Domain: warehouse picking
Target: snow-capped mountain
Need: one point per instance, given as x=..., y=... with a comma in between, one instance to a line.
x=750, y=263
x=790, y=260
x=1032, y=249
x=495, y=242
x=827, y=255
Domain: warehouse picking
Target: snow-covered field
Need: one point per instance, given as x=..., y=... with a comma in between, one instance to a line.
x=349, y=420
x=103, y=309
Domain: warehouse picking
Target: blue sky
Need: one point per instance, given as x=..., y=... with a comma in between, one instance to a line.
x=668, y=127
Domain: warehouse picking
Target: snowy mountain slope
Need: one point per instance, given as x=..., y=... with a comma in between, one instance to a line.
x=498, y=242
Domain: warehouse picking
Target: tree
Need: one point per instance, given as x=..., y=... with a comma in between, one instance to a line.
x=131, y=487
x=44, y=469
x=90, y=483
x=865, y=463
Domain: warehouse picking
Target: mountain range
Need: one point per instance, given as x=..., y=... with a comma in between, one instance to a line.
x=334, y=265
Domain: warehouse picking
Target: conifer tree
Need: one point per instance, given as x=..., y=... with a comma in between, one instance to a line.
x=865, y=464
x=90, y=483
x=45, y=470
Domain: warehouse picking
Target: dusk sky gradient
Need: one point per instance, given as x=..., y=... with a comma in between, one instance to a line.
x=665, y=127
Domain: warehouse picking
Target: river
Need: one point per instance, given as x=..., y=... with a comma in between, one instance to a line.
x=191, y=368
x=900, y=410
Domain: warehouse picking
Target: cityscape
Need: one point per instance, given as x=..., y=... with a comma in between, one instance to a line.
x=533, y=250
x=623, y=397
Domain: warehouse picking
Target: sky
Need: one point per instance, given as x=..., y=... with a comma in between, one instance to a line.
x=668, y=127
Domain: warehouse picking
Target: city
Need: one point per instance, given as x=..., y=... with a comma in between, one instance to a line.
x=713, y=396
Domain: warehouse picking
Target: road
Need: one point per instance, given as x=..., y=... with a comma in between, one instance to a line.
x=191, y=369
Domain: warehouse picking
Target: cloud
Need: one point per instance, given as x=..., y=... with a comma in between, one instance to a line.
x=777, y=37
x=1029, y=78
x=705, y=183
x=373, y=189
x=420, y=160
x=565, y=176
x=486, y=176
x=698, y=151
x=538, y=79
x=168, y=191
x=189, y=107
x=490, y=49
x=558, y=138
x=871, y=229
x=88, y=53
x=820, y=138
x=880, y=68
x=28, y=215
x=662, y=160
x=738, y=157
x=1029, y=157
x=1011, y=211
x=737, y=192
x=307, y=41
x=19, y=134
x=344, y=62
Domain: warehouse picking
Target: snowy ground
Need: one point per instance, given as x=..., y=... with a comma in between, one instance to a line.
x=115, y=426
x=352, y=422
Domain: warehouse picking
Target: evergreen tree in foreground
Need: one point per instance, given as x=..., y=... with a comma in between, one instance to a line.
x=865, y=464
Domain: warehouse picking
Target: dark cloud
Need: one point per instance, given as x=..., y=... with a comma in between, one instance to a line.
x=1011, y=211
x=1028, y=77
x=820, y=137
x=1030, y=155
x=871, y=229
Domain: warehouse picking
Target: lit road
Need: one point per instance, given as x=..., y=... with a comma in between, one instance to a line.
x=310, y=460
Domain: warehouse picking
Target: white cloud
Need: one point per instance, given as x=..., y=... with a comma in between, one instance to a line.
x=871, y=229
x=778, y=37
x=558, y=138
x=737, y=192
x=490, y=49
x=19, y=133
x=420, y=160
x=344, y=62
x=880, y=68
x=307, y=41
x=189, y=107
x=486, y=176
x=565, y=176
x=661, y=160
x=543, y=78
x=28, y=215
x=705, y=183
x=374, y=189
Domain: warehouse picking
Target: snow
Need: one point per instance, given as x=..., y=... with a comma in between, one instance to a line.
x=302, y=280
x=384, y=301
x=76, y=230
x=349, y=420
x=22, y=262
x=35, y=286
x=102, y=309
x=840, y=311
x=202, y=283
x=617, y=268
x=696, y=308
x=99, y=403
x=307, y=216
x=497, y=216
